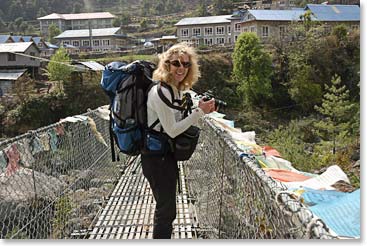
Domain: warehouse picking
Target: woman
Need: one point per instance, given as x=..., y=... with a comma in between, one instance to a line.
x=179, y=69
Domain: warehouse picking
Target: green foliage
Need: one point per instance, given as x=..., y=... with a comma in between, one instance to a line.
x=24, y=88
x=215, y=76
x=222, y=7
x=58, y=68
x=336, y=110
x=252, y=69
x=202, y=9
x=340, y=32
x=35, y=113
x=53, y=31
x=63, y=209
x=288, y=140
x=313, y=58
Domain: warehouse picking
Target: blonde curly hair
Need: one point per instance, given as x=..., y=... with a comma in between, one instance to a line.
x=162, y=73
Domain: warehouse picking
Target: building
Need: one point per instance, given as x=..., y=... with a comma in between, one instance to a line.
x=210, y=30
x=6, y=39
x=269, y=24
x=22, y=55
x=76, y=21
x=273, y=24
x=266, y=23
x=8, y=79
x=271, y=4
x=104, y=39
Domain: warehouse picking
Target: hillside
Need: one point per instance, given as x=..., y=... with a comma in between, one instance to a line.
x=30, y=10
x=20, y=16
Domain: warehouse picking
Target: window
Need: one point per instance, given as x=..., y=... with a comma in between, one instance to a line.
x=355, y=27
x=237, y=27
x=208, y=31
x=196, y=42
x=11, y=57
x=76, y=43
x=245, y=29
x=220, y=40
x=65, y=42
x=106, y=42
x=219, y=30
x=86, y=43
x=282, y=31
x=253, y=29
x=265, y=31
x=229, y=29
x=208, y=41
x=229, y=40
x=32, y=54
x=184, y=32
x=196, y=31
x=95, y=42
x=235, y=38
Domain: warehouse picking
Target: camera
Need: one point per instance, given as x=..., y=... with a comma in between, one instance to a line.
x=208, y=95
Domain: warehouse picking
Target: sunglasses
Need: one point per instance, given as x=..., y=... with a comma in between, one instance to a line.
x=178, y=63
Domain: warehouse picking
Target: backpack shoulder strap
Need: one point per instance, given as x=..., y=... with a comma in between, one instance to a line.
x=164, y=98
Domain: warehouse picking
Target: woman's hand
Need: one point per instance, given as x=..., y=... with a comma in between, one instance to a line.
x=208, y=106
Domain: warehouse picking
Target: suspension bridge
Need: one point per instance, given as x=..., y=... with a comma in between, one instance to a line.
x=58, y=182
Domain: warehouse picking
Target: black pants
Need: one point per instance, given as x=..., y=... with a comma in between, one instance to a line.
x=162, y=175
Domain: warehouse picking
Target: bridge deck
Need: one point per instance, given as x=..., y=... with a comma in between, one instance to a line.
x=130, y=210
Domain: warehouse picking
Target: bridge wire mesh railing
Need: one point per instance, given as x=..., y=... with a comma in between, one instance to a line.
x=58, y=178
x=55, y=180
x=235, y=199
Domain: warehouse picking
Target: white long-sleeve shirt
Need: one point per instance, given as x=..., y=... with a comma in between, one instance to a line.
x=170, y=119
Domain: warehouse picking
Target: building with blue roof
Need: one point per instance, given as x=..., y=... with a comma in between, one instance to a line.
x=266, y=23
x=273, y=24
x=6, y=39
x=334, y=13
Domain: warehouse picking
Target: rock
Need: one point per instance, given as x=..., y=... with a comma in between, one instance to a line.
x=20, y=187
x=357, y=164
x=343, y=186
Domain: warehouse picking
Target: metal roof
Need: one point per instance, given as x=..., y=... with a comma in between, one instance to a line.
x=85, y=33
x=80, y=16
x=204, y=20
x=51, y=46
x=324, y=12
x=168, y=37
x=92, y=65
x=18, y=38
x=37, y=40
x=276, y=15
x=11, y=74
x=20, y=47
x=4, y=38
x=27, y=38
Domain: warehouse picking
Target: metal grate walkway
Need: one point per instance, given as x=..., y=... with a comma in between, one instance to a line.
x=130, y=210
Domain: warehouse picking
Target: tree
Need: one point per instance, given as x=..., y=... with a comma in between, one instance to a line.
x=58, y=68
x=252, y=69
x=41, y=12
x=144, y=23
x=202, y=11
x=336, y=110
x=23, y=88
x=53, y=31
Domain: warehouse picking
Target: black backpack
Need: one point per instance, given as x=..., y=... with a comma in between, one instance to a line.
x=127, y=86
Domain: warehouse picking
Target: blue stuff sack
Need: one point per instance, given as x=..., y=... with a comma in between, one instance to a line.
x=128, y=139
